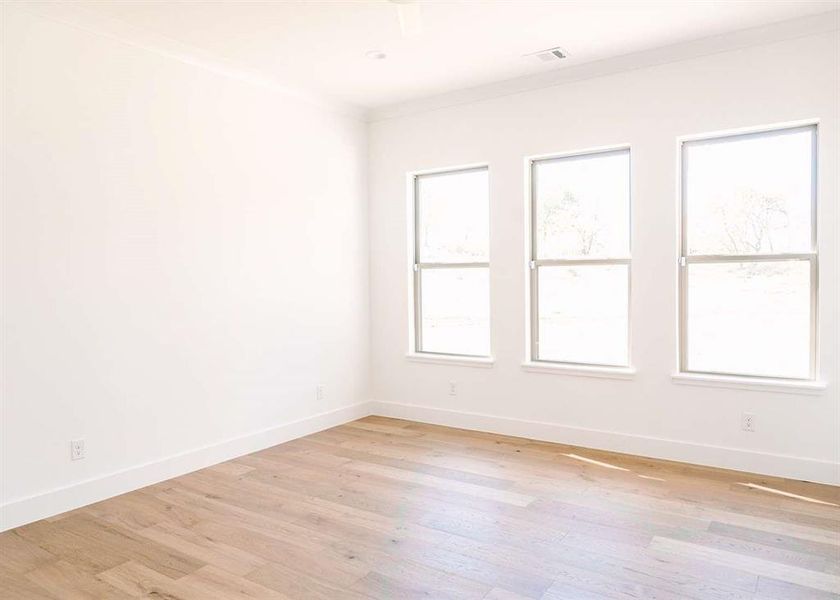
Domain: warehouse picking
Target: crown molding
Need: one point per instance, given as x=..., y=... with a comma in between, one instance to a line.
x=776, y=32
x=76, y=16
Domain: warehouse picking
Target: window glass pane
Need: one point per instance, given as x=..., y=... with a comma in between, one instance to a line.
x=583, y=314
x=453, y=217
x=455, y=311
x=582, y=205
x=750, y=318
x=749, y=194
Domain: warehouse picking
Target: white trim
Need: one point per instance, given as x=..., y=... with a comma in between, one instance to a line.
x=475, y=166
x=685, y=258
x=545, y=156
x=751, y=461
x=735, y=40
x=747, y=130
x=486, y=362
x=532, y=251
x=579, y=370
x=39, y=506
x=416, y=266
x=761, y=384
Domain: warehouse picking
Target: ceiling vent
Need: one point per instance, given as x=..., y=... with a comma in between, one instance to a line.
x=549, y=55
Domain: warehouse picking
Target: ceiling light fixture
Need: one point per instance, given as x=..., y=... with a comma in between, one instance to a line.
x=375, y=54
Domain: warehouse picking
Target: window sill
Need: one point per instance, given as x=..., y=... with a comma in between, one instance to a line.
x=484, y=362
x=579, y=370
x=784, y=386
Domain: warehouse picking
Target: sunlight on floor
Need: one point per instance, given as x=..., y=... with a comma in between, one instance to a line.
x=596, y=462
x=755, y=486
x=592, y=461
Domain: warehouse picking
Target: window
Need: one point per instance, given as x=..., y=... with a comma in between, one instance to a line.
x=748, y=266
x=580, y=258
x=451, y=263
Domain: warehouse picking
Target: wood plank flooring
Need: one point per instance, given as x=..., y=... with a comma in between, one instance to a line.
x=389, y=509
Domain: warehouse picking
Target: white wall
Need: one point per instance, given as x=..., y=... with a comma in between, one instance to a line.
x=796, y=434
x=185, y=258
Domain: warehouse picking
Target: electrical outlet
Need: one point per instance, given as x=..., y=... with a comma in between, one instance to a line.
x=77, y=449
x=748, y=422
x=319, y=392
x=453, y=388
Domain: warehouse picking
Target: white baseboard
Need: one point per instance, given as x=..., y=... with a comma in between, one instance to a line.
x=778, y=465
x=25, y=510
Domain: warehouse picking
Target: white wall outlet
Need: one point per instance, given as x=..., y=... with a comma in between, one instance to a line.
x=319, y=392
x=748, y=421
x=77, y=449
x=453, y=388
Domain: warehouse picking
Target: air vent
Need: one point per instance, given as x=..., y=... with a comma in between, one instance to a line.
x=549, y=55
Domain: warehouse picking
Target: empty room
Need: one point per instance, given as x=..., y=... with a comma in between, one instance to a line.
x=403, y=299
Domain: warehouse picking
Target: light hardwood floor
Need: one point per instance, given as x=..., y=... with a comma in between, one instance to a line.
x=389, y=509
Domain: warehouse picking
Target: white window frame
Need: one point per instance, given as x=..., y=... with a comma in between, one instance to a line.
x=416, y=267
x=534, y=361
x=684, y=259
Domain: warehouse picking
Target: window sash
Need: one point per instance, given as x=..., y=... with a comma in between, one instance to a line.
x=571, y=262
x=418, y=303
x=416, y=210
x=683, y=308
x=686, y=259
x=721, y=258
x=534, y=263
x=418, y=266
x=532, y=204
x=535, y=306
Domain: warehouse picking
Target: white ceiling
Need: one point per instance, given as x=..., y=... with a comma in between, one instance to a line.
x=321, y=44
